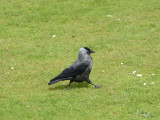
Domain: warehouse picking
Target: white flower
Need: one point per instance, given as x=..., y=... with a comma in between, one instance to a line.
x=152, y=74
x=12, y=68
x=134, y=72
x=109, y=16
x=144, y=84
x=118, y=19
x=121, y=63
x=54, y=36
x=152, y=83
x=139, y=75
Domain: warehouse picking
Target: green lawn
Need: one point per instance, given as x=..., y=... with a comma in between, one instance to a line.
x=120, y=31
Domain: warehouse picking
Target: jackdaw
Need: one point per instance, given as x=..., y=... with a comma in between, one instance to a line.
x=79, y=71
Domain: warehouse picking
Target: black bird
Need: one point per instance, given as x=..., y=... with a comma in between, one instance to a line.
x=79, y=71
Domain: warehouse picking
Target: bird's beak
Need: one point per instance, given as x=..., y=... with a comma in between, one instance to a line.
x=92, y=51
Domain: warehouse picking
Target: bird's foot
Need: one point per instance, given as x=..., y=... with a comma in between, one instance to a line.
x=99, y=86
x=66, y=89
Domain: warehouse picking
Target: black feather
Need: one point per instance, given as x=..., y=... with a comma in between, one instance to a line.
x=87, y=48
x=69, y=73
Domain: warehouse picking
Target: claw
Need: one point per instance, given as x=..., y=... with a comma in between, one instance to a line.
x=67, y=88
x=99, y=86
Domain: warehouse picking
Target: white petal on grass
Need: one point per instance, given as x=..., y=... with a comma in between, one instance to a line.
x=129, y=73
x=139, y=75
x=54, y=36
x=118, y=19
x=121, y=63
x=144, y=84
x=152, y=83
x=153, y=74
x=12, y=68
x=109, y=16
x=134, y=72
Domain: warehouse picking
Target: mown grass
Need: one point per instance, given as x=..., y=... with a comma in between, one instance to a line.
x=129, y=36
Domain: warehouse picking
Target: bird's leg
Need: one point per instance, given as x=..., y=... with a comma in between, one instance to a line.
x=93, y=84
x=69, y=84
x=96, y=85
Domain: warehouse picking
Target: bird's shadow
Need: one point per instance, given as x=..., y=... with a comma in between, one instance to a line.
x=72, y=86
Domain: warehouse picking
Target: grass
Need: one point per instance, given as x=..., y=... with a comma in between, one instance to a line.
x=129, y=36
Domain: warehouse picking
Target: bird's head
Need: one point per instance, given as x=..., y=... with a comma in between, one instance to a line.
x=88, y=50
x=84, y=52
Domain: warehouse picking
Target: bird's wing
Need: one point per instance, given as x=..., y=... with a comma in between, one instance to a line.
x=74, y=70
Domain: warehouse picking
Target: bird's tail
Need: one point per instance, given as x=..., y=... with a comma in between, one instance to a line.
x=52, y=81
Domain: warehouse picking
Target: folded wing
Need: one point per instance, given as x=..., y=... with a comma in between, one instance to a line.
x=70, y=72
